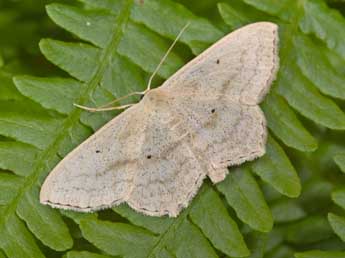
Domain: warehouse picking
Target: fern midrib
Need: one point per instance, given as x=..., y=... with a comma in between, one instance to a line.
x=293, y=28
x=163, y=238
x=51, y=151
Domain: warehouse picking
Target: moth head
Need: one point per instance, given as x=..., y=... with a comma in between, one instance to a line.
x=155, y=96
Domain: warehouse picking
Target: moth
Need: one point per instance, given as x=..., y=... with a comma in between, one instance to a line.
x=155, y=155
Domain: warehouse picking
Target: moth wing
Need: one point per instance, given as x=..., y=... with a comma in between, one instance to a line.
x=186, y=140
x=170, y=173
x=136, y=158
x=225, y=132
x=98, y=173
x=242, y=66
x=151, y=157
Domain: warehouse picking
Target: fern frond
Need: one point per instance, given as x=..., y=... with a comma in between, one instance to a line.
x=121, y=43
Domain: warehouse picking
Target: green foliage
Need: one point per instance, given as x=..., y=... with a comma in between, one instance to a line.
x=244, y=195
x=113, y=48
x=340, y=160
x=320, y=254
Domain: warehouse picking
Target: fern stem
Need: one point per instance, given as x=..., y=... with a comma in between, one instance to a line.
x=173, y=227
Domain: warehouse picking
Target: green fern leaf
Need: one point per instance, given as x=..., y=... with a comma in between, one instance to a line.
x=256, y=242
x=44, y=223
x=16, y=240
x=325, y=23
x=200, y=32
x=315, y=65
x=309, y=230
x=11, y=152
x=340, y=160
x=338, y=197
x=275, y=168
x=338, y=224
x=118, y=238
x=213, y=219
x=320, y=254
x=84, y=254
x=34, y=129
x=282, y=251
x=244, y=195
x=286, y=211
x=303, y=96
x=7, y=90
x=10, y=184
x=52, y=93
x=284, y=123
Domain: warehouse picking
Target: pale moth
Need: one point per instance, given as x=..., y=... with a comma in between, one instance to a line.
x=155, y=155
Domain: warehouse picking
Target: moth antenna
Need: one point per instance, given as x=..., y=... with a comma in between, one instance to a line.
x=101, y=108
x=165, y=56
x=123, y=97
x=104, y=108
